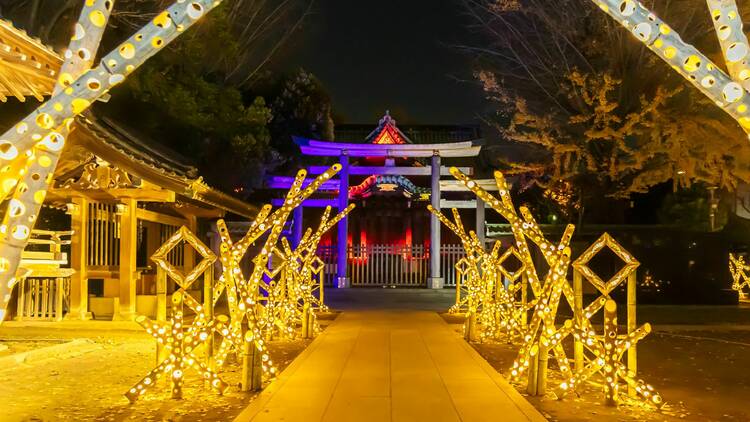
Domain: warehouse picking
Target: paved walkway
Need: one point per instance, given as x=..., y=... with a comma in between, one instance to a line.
x=389, y=365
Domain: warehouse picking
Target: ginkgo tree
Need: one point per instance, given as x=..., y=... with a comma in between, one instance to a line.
x=595, y=114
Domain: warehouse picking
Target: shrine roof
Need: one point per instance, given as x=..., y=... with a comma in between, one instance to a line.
x=156, y=164
x=28, y=67
x=335, y=149
x=387, y=140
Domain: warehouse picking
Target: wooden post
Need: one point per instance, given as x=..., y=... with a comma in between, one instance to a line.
x=342, y=281
x=531, y=387
x=632, y=354
x=578, y=318
x=59, y=293
x=459, y=278
x=541, y=382
x=252, y=379
x=128, y=246
x=20, y=308
x=470, y=332
x=177, y=310
x=306, y=329
x=610, y=354
x=480, y=222
x=321, y=290
x=297, y=225
x=435, y=280
x=79, y=282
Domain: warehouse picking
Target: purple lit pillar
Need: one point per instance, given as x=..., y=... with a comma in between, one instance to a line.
x=343, y=239
x=297, y=226
x=435, y=281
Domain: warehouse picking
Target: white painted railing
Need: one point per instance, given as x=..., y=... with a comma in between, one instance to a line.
x=391, y=265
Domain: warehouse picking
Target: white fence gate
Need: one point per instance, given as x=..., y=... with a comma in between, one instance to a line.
x=391, y=265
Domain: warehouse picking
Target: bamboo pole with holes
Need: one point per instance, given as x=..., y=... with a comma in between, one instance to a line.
x=39, y=137
x=687, y=60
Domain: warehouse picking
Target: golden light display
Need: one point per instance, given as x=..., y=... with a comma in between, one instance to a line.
x=29, y=150
x=727, y=91
x=500, y=298
x=259, y=310
x=607, y=350
x=740, y=279
x=490, y=306
x=181, y=341
x=262, y=305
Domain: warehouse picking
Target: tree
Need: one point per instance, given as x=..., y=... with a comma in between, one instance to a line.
x=606, y=116
x=301, y=107
x=199, y=95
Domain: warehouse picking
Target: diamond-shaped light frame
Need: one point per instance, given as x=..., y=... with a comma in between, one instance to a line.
x=184, y=234
x=511, y=275
x=581, y=264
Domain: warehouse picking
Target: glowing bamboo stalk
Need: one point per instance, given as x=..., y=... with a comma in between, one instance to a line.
x=39, y=163
x=42, y=128
x=734, y=46
x=684, y=58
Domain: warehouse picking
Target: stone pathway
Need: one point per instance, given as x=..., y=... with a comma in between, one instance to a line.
x=390, y=365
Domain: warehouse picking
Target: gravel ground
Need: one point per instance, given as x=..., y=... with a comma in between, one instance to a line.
x=702, y=374
x=90, y=385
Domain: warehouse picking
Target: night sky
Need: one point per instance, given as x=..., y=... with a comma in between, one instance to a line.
x=389, y=54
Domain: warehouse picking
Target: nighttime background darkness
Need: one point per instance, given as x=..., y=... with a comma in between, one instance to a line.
x=389, y=54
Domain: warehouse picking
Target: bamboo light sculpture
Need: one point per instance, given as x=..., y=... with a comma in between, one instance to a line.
x=605, y=360
x=37, y=140
x=469, y=270
x=607, y=350
x=725, y=90
x=297, y=282
x=541, y=336
x=541, y=330
x=203, y=269
x=740, y=279
x=462, y=291
x=253, y=317
x=181, y=341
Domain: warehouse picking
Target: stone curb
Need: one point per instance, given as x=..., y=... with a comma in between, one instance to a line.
x=58, y=351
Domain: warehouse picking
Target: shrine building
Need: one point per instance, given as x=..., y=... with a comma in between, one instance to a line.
x=391, y=239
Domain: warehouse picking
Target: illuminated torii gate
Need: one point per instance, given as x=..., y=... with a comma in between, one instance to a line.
x=29, y=151
x=388, y=145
